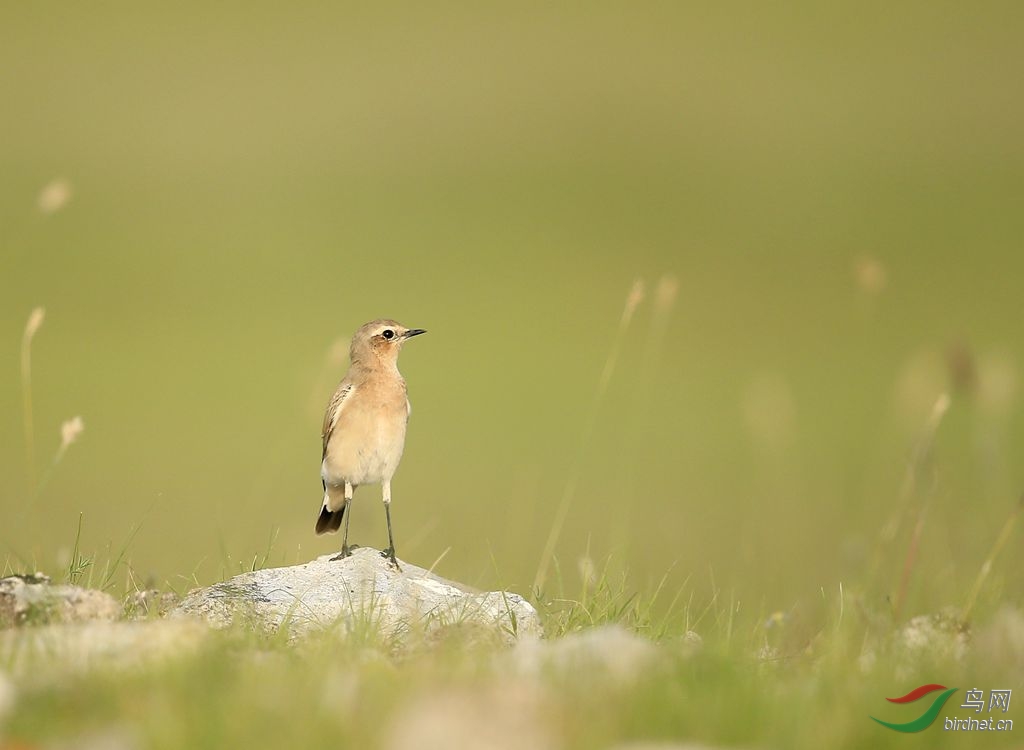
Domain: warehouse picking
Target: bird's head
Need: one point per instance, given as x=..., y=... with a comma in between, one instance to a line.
x=381, y=339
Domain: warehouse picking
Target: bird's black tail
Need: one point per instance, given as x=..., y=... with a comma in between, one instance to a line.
x=330, y=520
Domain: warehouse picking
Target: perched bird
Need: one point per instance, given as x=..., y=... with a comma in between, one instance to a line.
x=364, y=426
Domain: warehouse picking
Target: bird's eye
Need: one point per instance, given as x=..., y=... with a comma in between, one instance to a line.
x=388, y=334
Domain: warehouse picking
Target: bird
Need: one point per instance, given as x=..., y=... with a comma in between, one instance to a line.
x=364, y=427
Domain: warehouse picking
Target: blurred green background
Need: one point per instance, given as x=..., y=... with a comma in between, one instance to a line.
x=824, y=204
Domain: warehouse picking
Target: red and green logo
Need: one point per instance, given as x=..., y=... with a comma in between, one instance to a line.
x=924, y=720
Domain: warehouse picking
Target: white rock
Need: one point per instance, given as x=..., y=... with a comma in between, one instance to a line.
x=937, y=635
x=619, y=653
x=361, y=590
x=34, y=599
x=941, y=635
x=149, y=603
x=691, y=644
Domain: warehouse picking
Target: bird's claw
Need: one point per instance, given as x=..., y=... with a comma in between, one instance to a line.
x=346, y=551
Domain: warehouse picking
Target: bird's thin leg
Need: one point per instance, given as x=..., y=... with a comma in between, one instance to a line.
x=345, y=549
x=390, y=551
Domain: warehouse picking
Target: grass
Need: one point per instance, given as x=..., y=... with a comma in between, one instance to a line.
x=32, y=326
x=794, y=679
x=82, y=569
x=755, y=682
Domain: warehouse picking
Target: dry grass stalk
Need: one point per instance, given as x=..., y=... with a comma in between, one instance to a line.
x=633, y=300
x=32, y=326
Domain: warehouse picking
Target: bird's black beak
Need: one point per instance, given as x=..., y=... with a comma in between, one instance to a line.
x=414, y=332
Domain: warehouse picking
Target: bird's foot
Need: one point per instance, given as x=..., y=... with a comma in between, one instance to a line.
x=346, y=551
x=389, y=553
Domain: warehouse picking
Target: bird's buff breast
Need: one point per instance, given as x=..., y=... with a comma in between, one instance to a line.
x=367, y=444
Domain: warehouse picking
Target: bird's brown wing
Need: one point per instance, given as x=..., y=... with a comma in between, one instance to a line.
x=333, y=412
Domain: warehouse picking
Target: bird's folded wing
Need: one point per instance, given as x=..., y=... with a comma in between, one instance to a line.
x=334, y=411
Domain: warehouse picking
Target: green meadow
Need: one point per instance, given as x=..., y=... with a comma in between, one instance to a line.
x=724, y=334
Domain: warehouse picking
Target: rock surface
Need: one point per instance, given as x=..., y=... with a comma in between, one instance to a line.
x=940, y=635
x=363, y=589
x=150, y=603
x=611, y=651
x=35, y=599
